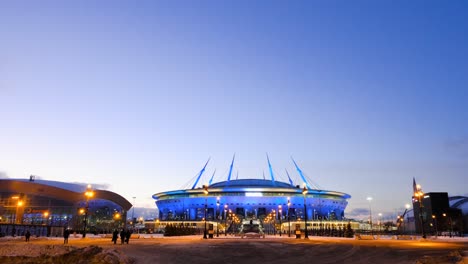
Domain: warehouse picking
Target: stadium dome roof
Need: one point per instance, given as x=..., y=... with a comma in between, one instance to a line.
x=59, y=190
x=251, y=183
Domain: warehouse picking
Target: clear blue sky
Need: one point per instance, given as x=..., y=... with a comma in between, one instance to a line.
x=137, y=95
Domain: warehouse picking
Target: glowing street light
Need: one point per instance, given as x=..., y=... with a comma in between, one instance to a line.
x=88, y=194
x=46, y=216
x=380, y=221
x=304, y=192
x=280, y=216
x=205, y=191
x=370, y=213
x=217, y=218
x=225, y=219
x=418, y=194
x=289, y=219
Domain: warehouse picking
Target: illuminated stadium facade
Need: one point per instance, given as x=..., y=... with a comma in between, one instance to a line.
x=46, y=204
x=251, y=198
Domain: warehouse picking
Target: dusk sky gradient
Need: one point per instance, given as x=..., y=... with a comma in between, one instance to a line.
x=137, y=95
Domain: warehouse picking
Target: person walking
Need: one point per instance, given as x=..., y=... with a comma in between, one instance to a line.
x=122, y=236
x=27, y=235
x=115, y=236
x=66, y=234
x=127, y=236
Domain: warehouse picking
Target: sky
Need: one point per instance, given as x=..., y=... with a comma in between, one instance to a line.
x=137, y=95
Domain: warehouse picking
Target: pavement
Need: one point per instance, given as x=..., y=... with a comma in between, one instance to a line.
x=274, y=249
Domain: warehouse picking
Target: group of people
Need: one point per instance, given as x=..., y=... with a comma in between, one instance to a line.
x=124, y=236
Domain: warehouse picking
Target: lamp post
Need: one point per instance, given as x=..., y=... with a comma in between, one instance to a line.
x=450, y=223
x=18, y=205
x=225, y=219
x=370, y=214
x=205, y=191
x=434, y=219
x=304, y=192
x=46, y=216
x=380, y=222
x=217, y=218
x=230, y=215
x=419, y=196
x=133, y=212
x=88, y=194
x=289, y=219
x=280, y=216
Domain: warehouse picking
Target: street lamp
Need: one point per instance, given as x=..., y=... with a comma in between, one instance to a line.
x=18, y=205
x=217, y=218
x=46, y=216
x=380, y=221
x=230, y=215
x=280, y=216
x=434, y=219
x=450, y=222
x=225, y=219
x=289, y=219
x=304, y=192
x=419, y=196
x=117, y=219
x=88, y=194
x=205, y=191
x=133, y=212
x=370, y=214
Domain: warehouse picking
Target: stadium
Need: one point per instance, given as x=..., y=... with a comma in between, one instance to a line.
x=261, y=199
x=51, y=205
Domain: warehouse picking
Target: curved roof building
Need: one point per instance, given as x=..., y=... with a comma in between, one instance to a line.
x=30, y=201
x=251, y=198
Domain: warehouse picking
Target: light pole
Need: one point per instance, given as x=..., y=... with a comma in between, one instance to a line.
x=450, y=223
x=230, y=215
x=280, y=216
x=117, y=219
x=217, y=218
x=419, y=196
x=133, y=212
x=380, y=222
x=205, y=191
x=370, y=214
x=46, y=216
x=304, y=192
x=434, y=219
x=225, y=219
x=88, y=194
x=18, y=205
x=289, y=219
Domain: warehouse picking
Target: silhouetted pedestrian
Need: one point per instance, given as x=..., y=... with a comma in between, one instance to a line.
x=27, y=235
x=66, y=234
x=115, y=236
x=122, y=236
x=127, y=236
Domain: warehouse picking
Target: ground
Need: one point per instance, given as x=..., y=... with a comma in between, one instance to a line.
x=194, y=249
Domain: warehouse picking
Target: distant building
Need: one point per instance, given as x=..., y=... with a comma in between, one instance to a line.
x=42, y=203
x=432, y=213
